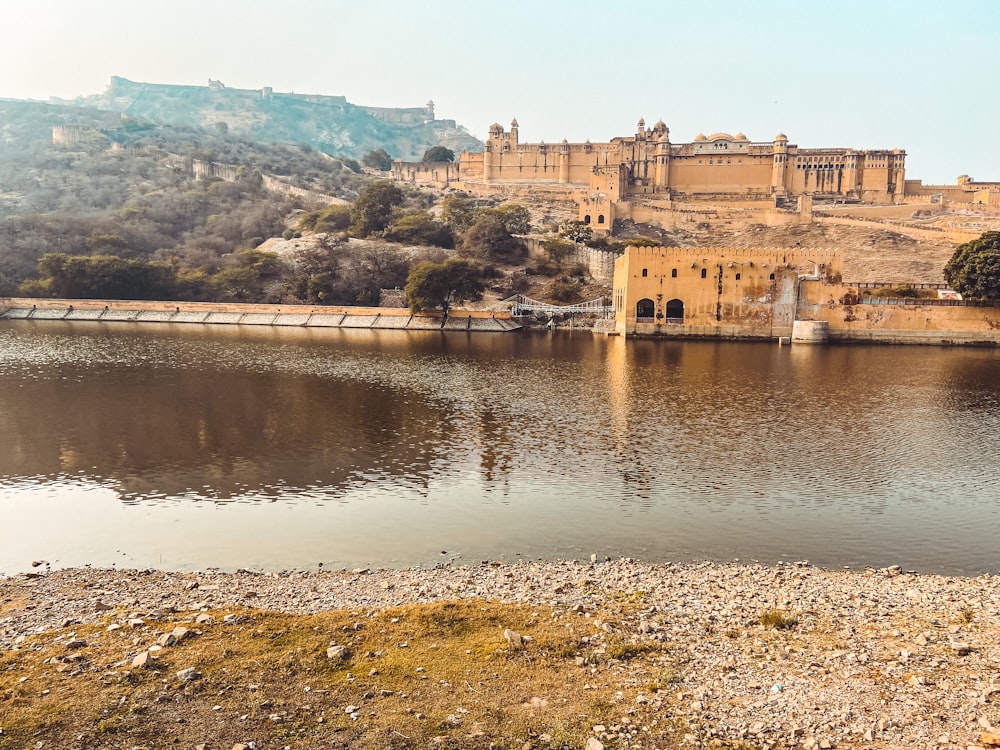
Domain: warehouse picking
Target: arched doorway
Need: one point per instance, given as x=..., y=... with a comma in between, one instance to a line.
x=675, y=311
x=645, y=308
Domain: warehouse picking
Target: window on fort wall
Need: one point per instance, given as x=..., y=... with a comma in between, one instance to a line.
x=738, y=276
x=645, y=272
x=704, y=273
x=673, y=273
x=600, y=218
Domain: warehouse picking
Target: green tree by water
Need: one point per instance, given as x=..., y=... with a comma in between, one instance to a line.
x=432, y=285
x=974, y=269
x=101, y=277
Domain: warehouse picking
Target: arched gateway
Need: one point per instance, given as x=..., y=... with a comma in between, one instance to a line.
x=675, y=311
x=645, y=308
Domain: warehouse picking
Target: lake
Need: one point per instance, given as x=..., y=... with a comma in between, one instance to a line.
x=188, y=447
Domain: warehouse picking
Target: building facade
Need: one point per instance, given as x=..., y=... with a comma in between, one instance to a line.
x=647, y=163
x=750, y=292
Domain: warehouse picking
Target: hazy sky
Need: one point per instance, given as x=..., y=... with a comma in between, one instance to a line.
x=923, y=75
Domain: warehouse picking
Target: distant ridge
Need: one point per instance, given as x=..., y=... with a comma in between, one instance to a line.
x=330, y=124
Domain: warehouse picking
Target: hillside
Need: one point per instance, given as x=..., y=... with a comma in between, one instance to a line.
x=129, y=189
x=329, y=124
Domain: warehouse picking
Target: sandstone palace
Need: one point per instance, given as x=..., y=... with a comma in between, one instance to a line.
x=635, y=176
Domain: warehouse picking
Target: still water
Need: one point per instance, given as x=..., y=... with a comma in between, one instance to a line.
x=185, y=447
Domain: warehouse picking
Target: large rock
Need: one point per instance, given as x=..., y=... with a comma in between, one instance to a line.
x=188, y=675
x=337, y=652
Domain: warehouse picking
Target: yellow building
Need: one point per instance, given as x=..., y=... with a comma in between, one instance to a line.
x=716, y=292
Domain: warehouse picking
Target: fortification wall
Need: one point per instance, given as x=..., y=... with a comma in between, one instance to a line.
x=401, y=115
x=202, y=170
x=439, y=174
x=600, y=264
x=933, y=234
x=71, y=135
x=899, y=321
x=694, y=216
x=858, y=211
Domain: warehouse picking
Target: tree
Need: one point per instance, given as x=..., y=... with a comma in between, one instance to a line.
x=246, y=280
x=460, y=210
x=378, y=159
x=372, y=211
x=101, y=277
x=419, y=227
x=974, y=269
x=438, y=285
x=516, y=218
x=489, y=238
x=576, y=231
x=439, y=153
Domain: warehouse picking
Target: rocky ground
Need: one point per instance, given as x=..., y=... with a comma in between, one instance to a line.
x=732, y=655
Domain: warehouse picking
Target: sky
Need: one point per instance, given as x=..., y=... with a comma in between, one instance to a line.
x=919, y=75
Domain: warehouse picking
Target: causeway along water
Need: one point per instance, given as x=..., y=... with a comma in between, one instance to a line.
x=129, y=311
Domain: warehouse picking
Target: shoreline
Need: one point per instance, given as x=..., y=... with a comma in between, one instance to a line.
x=875, y=658
x=459, y=320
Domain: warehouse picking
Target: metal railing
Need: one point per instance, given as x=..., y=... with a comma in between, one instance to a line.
x=520, y=304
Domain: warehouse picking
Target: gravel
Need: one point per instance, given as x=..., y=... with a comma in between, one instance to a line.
x=879, y=658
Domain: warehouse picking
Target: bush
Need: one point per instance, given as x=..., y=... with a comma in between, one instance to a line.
x=544, y=267
x=903, y=291
x=778, y=619
x=565, y=291
x=488, y=238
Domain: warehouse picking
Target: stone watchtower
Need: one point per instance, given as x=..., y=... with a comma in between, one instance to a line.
x=661, y=155
x=780, y=166
x=498, y=144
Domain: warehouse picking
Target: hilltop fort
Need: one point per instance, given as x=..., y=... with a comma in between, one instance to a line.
x=330, y=124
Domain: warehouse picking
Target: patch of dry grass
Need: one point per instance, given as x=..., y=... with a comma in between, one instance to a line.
x=778, y=619
x=440, y=675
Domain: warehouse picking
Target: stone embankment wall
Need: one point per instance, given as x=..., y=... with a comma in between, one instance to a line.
x=130, y=311
x=898, y=321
